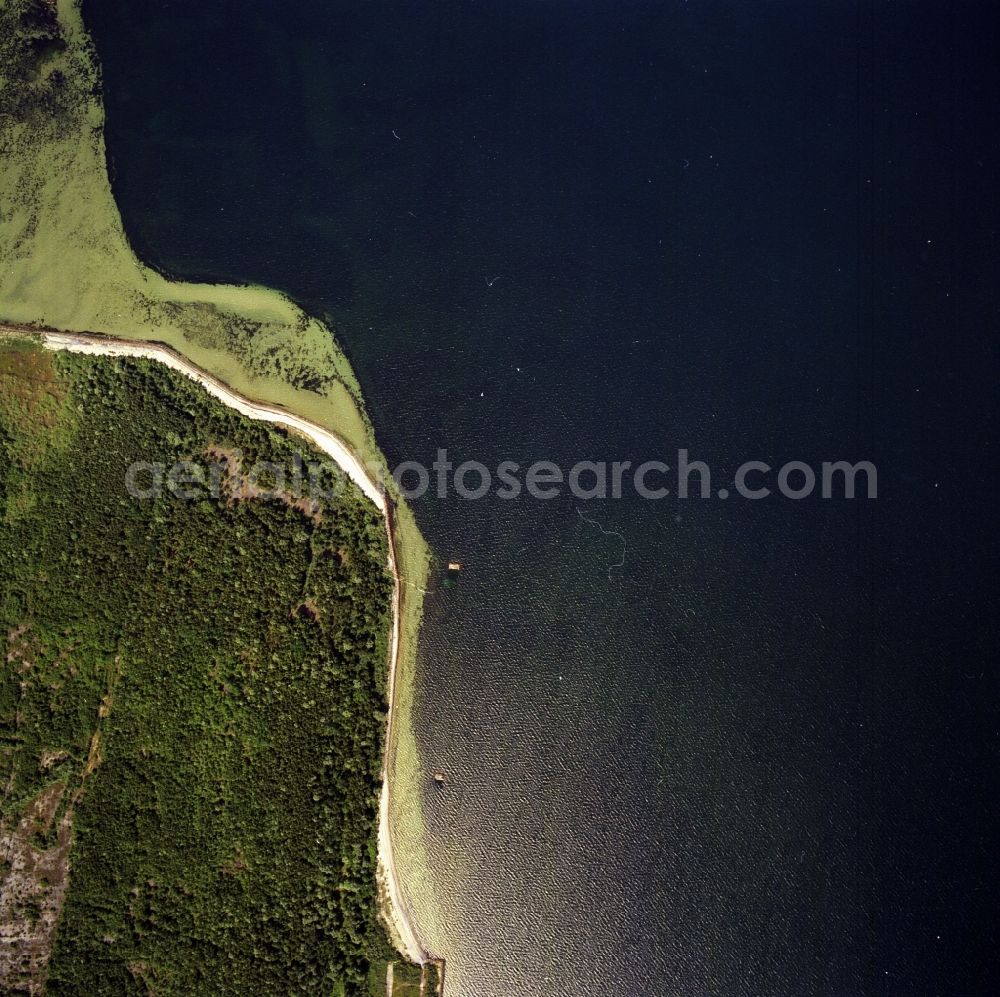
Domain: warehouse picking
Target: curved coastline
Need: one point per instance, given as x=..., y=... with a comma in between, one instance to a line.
x=68, y=272
x=394, y=910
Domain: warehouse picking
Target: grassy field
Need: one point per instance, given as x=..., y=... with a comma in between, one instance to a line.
x=65, y=263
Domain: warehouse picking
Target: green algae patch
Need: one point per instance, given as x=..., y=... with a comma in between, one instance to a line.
x=65, y=263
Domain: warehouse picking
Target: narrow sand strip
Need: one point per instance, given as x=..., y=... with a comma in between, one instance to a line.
x=393, y=908
x=325, y=440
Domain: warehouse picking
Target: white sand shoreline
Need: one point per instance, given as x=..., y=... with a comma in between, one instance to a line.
x=392, y=906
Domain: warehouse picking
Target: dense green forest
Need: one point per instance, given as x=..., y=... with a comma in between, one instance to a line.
x=193, y=696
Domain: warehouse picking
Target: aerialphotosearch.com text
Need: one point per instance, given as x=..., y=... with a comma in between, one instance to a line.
x=542, y=479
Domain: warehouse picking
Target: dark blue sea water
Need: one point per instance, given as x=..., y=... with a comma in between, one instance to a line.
x=760, y=757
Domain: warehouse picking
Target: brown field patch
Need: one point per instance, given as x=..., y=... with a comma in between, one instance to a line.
x=32, y=891
x=30, y=388
x=240, y=487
